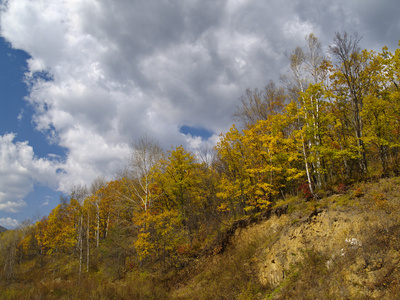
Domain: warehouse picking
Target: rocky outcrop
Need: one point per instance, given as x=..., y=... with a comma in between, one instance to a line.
x=224, y=239
x=347, y=247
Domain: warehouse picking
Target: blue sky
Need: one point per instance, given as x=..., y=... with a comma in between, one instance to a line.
x=80, y=81
x=16, y=117
x=16, y=114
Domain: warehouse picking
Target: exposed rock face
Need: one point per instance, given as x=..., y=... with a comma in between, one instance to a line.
x=321, y=231
x=225, y=238
x=346, y=246
x=345, y=240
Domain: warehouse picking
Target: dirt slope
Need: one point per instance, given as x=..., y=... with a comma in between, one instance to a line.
x=346, y=246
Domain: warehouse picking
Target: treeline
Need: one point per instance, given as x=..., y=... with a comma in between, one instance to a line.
x=335, y=119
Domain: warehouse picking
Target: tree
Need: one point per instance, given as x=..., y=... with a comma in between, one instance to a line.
x=79, y=193
x=234, y=181
x=171, y=220
x=349, y=80
x=308, y=66
x=9, y=241
x=252, y=173
x=28, y=245
x=95, y=199
x=59, y=231
x=275, y=158
x=159, y=237
x=145, y=156
x=258, y=105
x=177, y=180
x=381, y=109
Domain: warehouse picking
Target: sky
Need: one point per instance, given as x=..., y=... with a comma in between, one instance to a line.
x=80, y=80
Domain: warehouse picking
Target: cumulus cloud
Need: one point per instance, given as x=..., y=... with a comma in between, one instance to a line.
x=19, y=170
x=102, y=73
x=8, y=222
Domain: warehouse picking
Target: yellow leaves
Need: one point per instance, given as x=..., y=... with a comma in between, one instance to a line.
x=294, y=174
x=249, y=208
x=179, y=182
x=143, y=245
x=229, y=189
x=159, y=234
x=223, y=207
x=59, y=231
x=257, y=159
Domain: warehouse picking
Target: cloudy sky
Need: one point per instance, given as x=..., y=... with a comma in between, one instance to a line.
x=82, y=79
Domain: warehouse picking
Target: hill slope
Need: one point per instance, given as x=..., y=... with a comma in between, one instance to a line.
x=345, y=246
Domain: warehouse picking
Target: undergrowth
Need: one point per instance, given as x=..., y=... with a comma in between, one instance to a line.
x=367, y=269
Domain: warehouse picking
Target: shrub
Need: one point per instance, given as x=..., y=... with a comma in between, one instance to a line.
x=342, y=188
x=304, y=189
x=358, y=192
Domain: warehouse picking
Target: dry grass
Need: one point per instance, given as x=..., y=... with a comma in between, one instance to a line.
x=364, y=268
x=334, y=268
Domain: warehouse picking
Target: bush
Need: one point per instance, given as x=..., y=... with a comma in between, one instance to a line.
x=305, y=191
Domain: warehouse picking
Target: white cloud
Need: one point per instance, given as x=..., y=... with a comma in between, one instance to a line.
x=20, y=115
x=19, y=170
x=120, y=69
x=296, y=28
x=8, y=223
x=46, y=202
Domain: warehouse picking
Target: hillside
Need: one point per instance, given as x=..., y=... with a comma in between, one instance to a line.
x=2, y=229
x=344, y=246
x=298, y=200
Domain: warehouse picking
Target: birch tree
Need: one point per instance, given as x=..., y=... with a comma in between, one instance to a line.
x=348, y=78
x=145, y=155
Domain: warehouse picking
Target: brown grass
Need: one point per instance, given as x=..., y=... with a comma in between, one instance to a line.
x=369, y=211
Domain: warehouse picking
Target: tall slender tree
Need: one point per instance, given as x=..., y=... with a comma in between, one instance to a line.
x=348, y=77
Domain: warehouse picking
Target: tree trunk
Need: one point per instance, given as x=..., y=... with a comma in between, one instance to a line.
x=80, y=243
x=88, y=243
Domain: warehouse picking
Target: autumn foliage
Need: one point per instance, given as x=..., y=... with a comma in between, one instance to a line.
x=334, y=122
